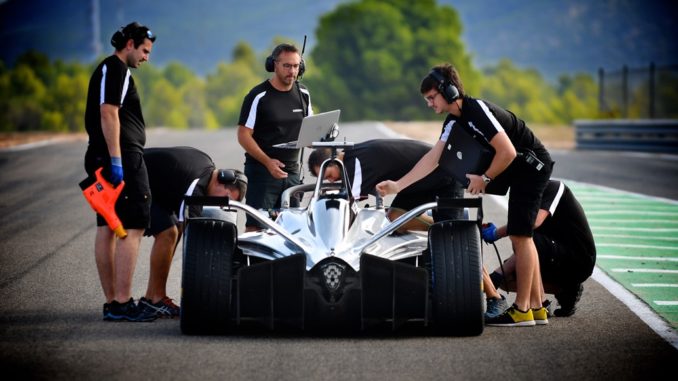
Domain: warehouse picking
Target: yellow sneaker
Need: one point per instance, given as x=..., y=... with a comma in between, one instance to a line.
x=541, y=316
x=513, y=317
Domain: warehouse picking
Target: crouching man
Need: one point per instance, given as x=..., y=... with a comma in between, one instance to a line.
x=175, y=172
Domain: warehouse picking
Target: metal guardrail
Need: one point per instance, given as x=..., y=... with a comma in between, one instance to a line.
x=645, y=135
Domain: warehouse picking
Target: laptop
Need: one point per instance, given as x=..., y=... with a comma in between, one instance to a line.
x=314, y=128
x=464, y=154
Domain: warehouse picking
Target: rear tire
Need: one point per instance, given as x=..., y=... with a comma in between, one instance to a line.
x=206, y=277
x=456, y=278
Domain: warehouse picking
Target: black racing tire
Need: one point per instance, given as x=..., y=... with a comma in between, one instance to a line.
x=206, y=277
x=456, y=278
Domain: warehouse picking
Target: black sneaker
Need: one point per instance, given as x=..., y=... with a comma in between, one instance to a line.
x=165, y=308
x=567, y=299
x=549, y=307
x=127, y=311
x=107, y=311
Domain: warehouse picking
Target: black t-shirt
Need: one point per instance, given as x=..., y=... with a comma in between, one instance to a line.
x=172, y=170
x=275, y=116
x=112, y=83
x=483, y=120
x=567, y=223
x=370, y=162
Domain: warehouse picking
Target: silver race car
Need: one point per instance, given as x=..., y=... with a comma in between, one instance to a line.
x=331, y=266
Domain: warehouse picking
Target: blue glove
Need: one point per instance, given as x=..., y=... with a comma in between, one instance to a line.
x=489, y=233
x=116, y=170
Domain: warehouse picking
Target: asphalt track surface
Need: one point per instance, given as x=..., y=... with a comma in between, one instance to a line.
x=50, y=297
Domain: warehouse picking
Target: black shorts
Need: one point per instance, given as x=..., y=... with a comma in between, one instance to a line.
x=526, y=189
x=134, y=204
x=161, y=220
x=560, y=264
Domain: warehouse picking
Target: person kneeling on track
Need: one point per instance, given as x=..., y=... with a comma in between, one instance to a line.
x=565, y=245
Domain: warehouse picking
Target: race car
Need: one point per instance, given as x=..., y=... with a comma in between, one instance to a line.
x=333, y=265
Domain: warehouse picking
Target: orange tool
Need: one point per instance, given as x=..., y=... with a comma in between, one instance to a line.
x=102, y=196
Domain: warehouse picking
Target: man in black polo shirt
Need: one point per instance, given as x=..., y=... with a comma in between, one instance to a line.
x=508, y=136
x=567, y=251
x=271, y=113
x=117, y=135
x=373, y=161
x=175, y=172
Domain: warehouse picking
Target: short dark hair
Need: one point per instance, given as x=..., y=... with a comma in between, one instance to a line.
x=317, y=157
x=134, y=31
x=289, y=48
x=449, y=72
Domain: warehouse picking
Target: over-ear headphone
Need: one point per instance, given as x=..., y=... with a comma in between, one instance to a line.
x=118, y=39
x=233, y=177
x=270, y=64
x=445, y=86
x=270, y=61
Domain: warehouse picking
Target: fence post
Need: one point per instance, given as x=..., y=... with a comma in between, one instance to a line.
x=625, y=92
x=652, y=91
x=601, y=91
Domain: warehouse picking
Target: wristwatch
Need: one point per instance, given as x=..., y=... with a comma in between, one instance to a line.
x=486, y=179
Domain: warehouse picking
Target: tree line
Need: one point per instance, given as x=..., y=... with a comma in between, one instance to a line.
x=368, y=60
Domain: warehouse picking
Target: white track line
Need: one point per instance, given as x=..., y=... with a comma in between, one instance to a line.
x=638, y=307
x=653, y=247
x=637, y=258
x=645, y=271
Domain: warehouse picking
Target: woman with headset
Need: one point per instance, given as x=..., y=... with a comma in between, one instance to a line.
x=520, y=162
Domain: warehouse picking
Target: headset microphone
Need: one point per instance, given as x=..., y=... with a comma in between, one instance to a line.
x=302, y=64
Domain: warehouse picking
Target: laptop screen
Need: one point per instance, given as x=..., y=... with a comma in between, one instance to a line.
x=313, y=128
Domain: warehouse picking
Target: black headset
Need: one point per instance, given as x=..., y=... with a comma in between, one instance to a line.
x=270, y=60
x=444, y=86
x=233, y=177
x=122, y=35
x=118, y=39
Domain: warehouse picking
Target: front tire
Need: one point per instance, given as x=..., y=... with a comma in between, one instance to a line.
x=456, y=278
x=206, y=277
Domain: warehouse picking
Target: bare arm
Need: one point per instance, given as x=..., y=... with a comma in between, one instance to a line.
x=424, y=166
x=247, y=142
x=110, y=126
x=505, y=152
